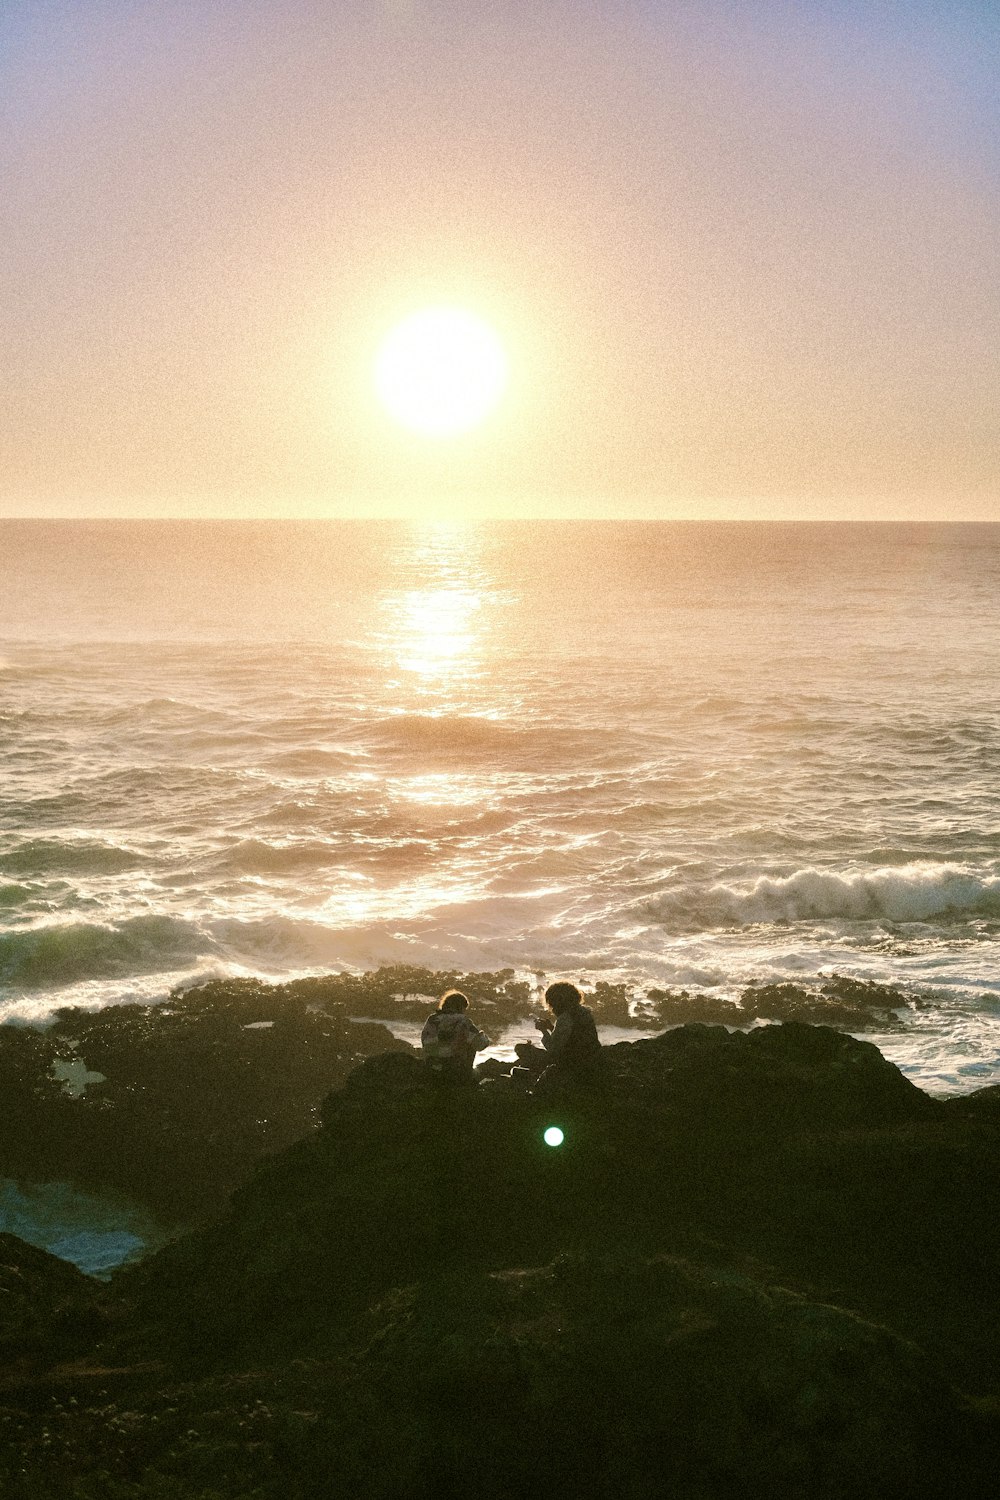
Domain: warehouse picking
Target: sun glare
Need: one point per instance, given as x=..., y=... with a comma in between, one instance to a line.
x=441, y=371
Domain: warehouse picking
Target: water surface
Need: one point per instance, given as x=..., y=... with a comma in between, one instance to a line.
x=687, y=754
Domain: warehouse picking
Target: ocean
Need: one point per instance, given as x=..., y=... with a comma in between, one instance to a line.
x=680, y=754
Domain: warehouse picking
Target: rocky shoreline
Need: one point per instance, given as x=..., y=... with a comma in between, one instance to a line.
x=762, y=1262
x=181, y=1100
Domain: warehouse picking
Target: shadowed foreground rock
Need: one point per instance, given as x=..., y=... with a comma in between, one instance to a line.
x=760, y=1263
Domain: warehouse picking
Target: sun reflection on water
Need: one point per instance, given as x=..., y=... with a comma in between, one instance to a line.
x=437, y=632
x=438, y=789
x=439, y=624
x=406, y=901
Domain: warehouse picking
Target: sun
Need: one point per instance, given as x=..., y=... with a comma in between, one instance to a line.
x=441, y=371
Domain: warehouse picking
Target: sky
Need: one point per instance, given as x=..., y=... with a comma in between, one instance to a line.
x=743, y=257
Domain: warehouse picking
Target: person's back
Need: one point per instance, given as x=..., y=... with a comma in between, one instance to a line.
x=450, y=1040
x=582, y=1052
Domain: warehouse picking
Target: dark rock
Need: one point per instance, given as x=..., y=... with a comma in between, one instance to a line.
x=851, y=1004
x=47, y=1307
x=822, y=1076
x=195, y=1093
x=984, y=1101
x=619, y=1375
x=788, y=1076
x=492, y=1067
x=697, y=1127
x=759, y=1263
x=614, y=1375
x=612, y=1003
x=676, y=1007
x=398, y=1072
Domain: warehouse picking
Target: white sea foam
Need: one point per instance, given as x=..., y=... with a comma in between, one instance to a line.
x=910, y=893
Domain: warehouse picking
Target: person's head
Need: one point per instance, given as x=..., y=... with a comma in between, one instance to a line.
x=559, y=997
x=453, y=1002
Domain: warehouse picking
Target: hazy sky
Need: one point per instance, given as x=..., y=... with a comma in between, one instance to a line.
x=744, y=256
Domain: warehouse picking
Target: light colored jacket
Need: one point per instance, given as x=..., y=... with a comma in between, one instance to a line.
x=449, y=1035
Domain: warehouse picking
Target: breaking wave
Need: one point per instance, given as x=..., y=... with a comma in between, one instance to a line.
x=66, y=952
x=911, y=893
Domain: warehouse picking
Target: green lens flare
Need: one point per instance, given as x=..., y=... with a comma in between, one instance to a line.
x=553, y=1136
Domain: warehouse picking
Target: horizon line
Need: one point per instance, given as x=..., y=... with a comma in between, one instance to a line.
x=409, y=519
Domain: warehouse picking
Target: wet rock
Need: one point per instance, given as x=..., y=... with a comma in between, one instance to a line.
x=194, y=1093
x=677, y=1007
x=398, y=1072
x=851, y=1004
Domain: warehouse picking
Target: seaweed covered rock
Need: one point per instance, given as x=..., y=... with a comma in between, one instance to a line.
x=395, y=992
x=855, y=1005
x=189, y=1096
x=852, y=1004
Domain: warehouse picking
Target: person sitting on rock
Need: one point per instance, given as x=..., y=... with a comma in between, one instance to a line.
x=572, y=1049
x=450, y=1040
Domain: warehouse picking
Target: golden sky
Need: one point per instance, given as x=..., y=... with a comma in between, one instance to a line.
x=743, y=258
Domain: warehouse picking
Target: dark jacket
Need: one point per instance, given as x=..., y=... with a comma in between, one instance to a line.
x=573, y=1042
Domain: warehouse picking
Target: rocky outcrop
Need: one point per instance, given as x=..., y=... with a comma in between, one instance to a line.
x=798, y=1146
x=192, y=1093
x=618, y=1375
x=178, y=1102
x=47, y=1307
x=790, y=1076
x=608, y=1375
x=758, y=1263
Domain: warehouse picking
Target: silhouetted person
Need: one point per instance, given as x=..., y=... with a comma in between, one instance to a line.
x=450, y=1041
x=572, y=1048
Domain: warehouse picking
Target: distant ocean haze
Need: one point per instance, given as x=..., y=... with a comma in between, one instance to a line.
x=684, y=754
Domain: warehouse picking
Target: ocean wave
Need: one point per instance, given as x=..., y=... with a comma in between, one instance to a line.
x=445, y=732
x=913, y=893
x=167, y=711
x=313, y=760
x=286, y=943
x=257, y=857
x=68, y=952
x=422, y=736
x=75, y=856
x=15, y=895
